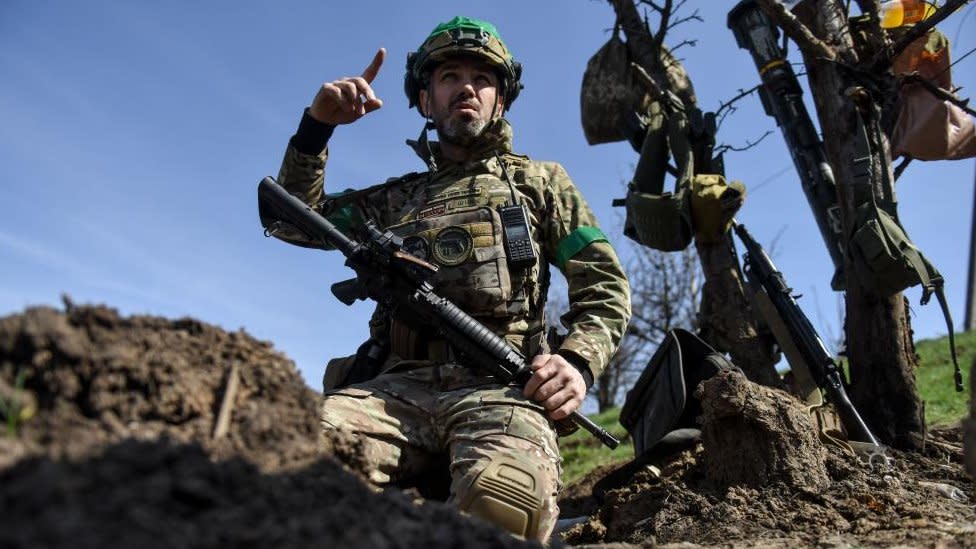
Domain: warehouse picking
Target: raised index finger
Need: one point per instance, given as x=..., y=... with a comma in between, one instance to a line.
x=374, y=66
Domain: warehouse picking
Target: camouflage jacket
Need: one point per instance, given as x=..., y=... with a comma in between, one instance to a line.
x=449, y=216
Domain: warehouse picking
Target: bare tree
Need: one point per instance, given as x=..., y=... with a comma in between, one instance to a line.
x=666, y=288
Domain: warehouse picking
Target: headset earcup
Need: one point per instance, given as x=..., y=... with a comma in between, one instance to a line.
x=410, y=85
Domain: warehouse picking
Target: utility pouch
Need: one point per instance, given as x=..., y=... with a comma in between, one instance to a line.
x=362, y=366
x=885, y=259
x=660, y=221
x=713, y=204
x=662, y=398
x=887, y=262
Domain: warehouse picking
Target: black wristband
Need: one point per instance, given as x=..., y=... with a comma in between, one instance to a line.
x=580, y=364
x=312, y=136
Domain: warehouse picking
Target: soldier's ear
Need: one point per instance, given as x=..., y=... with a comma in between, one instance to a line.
x=423, y=103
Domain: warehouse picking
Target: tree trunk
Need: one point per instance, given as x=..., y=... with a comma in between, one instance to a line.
x=726, y=318
x=878, y=331
x=727, y=313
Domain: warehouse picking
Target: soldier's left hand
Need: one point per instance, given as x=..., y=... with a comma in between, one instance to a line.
x=555, y=384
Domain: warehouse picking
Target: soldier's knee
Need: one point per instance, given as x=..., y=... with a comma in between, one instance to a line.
x=509, y=492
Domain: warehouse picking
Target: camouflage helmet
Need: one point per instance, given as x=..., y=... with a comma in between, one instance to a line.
x=462, y=36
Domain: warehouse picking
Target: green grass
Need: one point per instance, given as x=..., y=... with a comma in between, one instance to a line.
x=943, y=406
x=12, y=410
x=582, y=452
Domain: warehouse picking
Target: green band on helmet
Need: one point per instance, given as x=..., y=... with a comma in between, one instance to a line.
x=463, y=36
x=574, y=243
x=469, y=22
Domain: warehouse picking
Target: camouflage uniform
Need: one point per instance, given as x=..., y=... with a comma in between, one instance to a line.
x=423, y=404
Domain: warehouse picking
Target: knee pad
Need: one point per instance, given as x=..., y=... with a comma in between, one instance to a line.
x=508, y=493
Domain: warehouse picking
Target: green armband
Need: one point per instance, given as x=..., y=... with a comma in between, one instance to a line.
x=341, y=217
x=574, y=243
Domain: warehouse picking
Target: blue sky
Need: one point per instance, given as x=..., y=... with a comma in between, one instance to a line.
x=133, y=136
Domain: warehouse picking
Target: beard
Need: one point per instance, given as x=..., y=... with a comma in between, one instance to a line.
x=459, y=131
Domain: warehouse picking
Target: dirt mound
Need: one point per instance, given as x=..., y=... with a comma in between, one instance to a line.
x=115, y=438
x=743, y=486
x=162, y=494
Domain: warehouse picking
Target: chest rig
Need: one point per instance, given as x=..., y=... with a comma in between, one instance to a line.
x=474, y=223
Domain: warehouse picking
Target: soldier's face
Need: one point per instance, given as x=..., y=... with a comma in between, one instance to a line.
x=462, y=99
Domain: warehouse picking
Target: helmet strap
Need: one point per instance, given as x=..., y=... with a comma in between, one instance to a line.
x=424, y=141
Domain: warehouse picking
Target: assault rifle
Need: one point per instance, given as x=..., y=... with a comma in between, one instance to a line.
x=401, y=282
x=764, y=277
x=782, y=99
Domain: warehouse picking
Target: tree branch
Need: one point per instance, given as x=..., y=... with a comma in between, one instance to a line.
x=720, y=114
x=749, y=144
x=691, y=43
x=663, y=27
x=901, y=167
x=693, y=17
x=797, y=31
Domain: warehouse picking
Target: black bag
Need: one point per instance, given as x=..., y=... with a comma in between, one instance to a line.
x=662, y=398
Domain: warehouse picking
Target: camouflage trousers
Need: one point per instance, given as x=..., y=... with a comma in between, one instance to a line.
x=409, y=421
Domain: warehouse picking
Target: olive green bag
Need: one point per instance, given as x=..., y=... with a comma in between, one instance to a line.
x=887, y=262
x=657, y=219
x=885, y=259
x=660, y=221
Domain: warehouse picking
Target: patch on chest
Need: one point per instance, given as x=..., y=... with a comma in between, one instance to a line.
x=432, y=211
x=452, y=246
x=417, y=246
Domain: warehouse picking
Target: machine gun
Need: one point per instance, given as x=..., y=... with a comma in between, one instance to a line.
x=804, y=343
x=401, y=282
x=782, y=99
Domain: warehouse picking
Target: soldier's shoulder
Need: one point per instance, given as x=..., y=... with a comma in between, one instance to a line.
x=547, y=169
x=394, y=183
x=405, y=178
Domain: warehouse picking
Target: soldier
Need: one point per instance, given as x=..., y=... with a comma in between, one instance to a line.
x=493, y=221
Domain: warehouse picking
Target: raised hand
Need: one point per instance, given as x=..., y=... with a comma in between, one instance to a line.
x=348, y=99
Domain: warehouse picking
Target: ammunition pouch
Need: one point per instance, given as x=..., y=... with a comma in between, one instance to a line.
x=662, y=222
x=662, y=398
